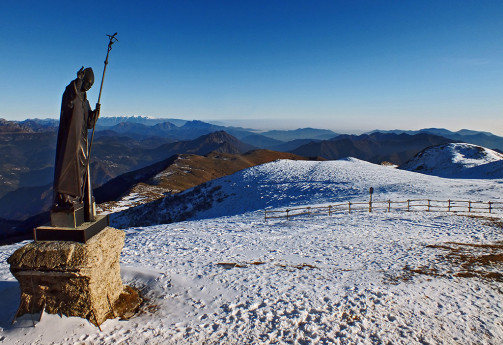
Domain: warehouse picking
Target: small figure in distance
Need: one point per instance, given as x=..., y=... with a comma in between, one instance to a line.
x=72, y=150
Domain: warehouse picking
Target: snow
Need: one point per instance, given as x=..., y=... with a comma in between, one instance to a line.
x=458, y=160
x=229, y=277
x=286, y=183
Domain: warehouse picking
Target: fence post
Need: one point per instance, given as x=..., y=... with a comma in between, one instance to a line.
x=428, y=205
x=371, y=191
x=287, y=214
x=469, y=206
x=349, y=206
x=408, y=205
x=329, y=210
x=449, y=205
x=389, y=205
x=490, y=207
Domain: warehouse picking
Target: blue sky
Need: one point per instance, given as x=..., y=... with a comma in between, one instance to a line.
x=345, y=65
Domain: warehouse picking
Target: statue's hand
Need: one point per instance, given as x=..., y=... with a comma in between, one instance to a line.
x=97, y=111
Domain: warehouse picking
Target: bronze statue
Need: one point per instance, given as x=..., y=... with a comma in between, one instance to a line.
x=72, y=150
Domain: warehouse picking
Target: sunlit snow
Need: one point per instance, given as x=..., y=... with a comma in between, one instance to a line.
x=229, y=277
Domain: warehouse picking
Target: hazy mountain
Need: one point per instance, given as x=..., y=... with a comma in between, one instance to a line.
x=218, y=141
x=294, y=144
x=301, y=133
x=261, y=141
x=27, y=159
x=193, y=129
x=139, y=130
x=375, y=147
x=113, y=156
x=110, y=121
x=25, y=202
x=457, y=160
x=41, y=125
x=188, y=130
x=144, y=127
x=13, y=127
x=485, y=139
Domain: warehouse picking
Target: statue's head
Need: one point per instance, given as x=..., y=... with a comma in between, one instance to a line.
x=87, y=79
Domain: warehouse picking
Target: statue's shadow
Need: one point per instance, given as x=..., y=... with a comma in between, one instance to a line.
x=9, y=302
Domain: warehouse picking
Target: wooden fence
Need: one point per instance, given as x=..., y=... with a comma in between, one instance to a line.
x=428, y=205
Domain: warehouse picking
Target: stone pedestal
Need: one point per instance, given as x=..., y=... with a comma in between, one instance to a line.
x=74, y=279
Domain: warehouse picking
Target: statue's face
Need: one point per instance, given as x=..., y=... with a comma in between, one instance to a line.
x=87, y=83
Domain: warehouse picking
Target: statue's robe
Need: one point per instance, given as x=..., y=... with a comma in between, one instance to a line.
x=71, y=152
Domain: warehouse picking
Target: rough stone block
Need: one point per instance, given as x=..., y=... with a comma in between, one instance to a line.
x=71, y=278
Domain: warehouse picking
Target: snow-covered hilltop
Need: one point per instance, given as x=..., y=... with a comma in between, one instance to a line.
x=286, y=183
x=458, y=160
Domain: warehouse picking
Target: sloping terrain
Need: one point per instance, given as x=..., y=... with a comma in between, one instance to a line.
x=177, y=174
x=457, y=160
x=287, y=183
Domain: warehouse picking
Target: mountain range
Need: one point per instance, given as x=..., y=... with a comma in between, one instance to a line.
x=376, y=147
x=130, y=144
x=485, y=139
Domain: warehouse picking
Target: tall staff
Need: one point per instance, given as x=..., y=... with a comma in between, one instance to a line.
x=88, y=202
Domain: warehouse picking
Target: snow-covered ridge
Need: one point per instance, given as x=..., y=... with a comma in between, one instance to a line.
x=286, y=183
x=457, y=160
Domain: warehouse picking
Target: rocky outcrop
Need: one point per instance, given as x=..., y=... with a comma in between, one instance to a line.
x=74, y=279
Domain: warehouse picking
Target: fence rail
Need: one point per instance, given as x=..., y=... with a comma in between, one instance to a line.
x=428, y=205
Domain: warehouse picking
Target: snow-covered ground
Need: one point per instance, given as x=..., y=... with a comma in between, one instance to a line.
x=286, y=183
x=458, y=160
x=229, y=277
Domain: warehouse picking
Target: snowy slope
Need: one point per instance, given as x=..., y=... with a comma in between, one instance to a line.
x=286, y=183
x=458, y=160
x=344, y=279
x=359, y=278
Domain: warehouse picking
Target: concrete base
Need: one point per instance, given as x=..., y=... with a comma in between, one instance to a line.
x=74, y=279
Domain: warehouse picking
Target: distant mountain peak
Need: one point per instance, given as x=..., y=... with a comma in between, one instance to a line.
x=7, y=126
x=220, y=136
